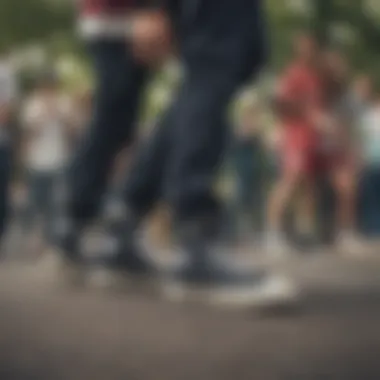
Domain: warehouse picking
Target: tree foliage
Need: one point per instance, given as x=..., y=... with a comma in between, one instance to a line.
x=51, y=23
x=30, y=21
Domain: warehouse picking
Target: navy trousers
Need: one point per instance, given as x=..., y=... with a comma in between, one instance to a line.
x=119, y=85
x=220, y=45
x=220, y=51
x=5, y=175
x=369, y=202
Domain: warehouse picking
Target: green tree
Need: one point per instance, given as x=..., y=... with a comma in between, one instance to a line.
x=29, y=21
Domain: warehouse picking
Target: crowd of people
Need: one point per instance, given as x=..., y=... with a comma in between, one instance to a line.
x=325, y=146
x=290, y=164
x=319, y=158
x=324, y=137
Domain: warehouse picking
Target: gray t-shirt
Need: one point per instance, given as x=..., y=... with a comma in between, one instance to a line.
x=349, y=110
x=8, y=93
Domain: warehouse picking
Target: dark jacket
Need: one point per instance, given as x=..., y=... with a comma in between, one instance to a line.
x=117, y=6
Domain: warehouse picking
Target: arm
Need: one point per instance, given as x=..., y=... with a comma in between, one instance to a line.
x=9, y=90
x=151, y=32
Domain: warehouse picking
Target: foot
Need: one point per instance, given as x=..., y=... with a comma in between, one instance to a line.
x=217, y=282
x=353, y=245
x=58, y=268
x=277, y=246
x=62, y=261
x=121, y=262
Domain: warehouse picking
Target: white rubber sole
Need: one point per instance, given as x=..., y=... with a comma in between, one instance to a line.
x=52, y=268
x=104, y=280
x=274, y=292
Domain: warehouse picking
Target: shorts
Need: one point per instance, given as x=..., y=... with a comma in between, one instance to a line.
x=299, y=154
x=337, y=156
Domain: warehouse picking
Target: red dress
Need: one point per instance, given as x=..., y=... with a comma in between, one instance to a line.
x=300, y=91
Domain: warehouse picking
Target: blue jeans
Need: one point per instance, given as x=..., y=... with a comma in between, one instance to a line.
x=248, y=203
x=5, y=175
x=119, y=85
x=369, y=194
x=181, y=158
x=42, y=200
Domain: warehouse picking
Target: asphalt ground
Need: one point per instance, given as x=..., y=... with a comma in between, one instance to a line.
x=56, y=334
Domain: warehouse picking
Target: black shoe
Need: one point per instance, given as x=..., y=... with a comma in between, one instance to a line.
x=60, y=269
x=204, y=278
x=124, y=260
x=66, y=239
x=62, y=262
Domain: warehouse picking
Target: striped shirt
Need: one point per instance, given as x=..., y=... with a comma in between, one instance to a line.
x=8, y=94
x=109, y=18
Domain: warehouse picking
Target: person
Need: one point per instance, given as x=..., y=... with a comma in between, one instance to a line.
x=247, y=160
x=341, y=148
x=369, y=132
x=299, y=98
x=221, y=44
x=8, y=98
x=121, y=70
x=48, y=134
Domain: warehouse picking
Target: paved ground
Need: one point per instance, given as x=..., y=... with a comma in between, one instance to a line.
x=50, y=334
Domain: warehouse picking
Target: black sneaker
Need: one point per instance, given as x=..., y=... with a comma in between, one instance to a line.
x=62, y=262
x=204, y=278
x=123, y=261
x=60, y=269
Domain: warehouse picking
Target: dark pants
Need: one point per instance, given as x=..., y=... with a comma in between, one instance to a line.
x=43, y=188
x=220, y=45
x=5, y=175
x=369, y=194
x=248, y=201
x=180, y=160
x=116, y=104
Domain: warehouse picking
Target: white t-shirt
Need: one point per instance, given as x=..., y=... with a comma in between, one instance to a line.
x=45, y=121
x=8, y=92
x=370, y=135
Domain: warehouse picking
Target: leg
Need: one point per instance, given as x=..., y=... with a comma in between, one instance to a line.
x=5, y=173
x=306, y=210
x=278, y=203
x=48, y=207
x=368, y=202
x=117, y=96
x=199, y=136
x=154, y=161
x=143, y=186
x=116, y=104
x=37, y=200
x=345, y=185
x=258, y=198
x=140, y=192
x=297, y=171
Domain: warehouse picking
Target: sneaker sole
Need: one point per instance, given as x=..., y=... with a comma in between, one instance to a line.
x=53, y=269
x=237, y=298
x=111, y=282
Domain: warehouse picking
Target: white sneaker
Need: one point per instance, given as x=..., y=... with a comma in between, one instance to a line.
x=353, y=245
x=272, y=291
x=277, y=247
x=54, y=268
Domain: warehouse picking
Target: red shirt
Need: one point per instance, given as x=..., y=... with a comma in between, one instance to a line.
x=300, y=90
x=99, y=7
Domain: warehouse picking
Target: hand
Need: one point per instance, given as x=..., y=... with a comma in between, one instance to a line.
x=151, y=37
x=323, y=122
x=4, y=114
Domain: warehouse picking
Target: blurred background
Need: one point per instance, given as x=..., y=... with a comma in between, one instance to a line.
x=266, y=210
x=39, y=38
